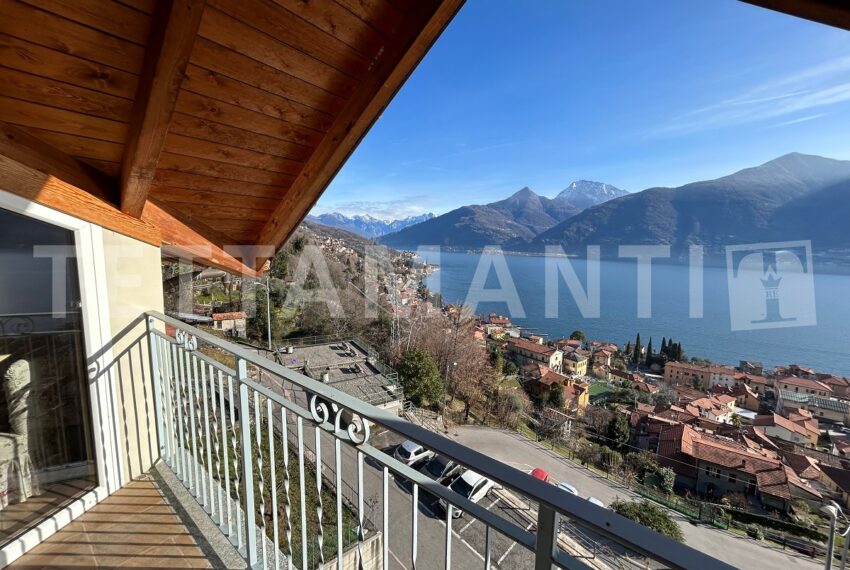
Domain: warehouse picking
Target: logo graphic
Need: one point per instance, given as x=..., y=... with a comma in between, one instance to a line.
x=771, y=285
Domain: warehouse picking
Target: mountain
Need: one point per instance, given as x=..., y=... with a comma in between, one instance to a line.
x=584, y=194
x=366, y=225
x=795, y=196
x=518, y=218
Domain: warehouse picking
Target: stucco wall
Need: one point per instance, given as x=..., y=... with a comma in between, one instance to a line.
x=134, y=285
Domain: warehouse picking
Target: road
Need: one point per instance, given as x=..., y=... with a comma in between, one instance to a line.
x=518, y=451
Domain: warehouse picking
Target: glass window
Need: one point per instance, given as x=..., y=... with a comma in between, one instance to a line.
x=46, y=455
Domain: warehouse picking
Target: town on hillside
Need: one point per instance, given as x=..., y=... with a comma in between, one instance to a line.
x=736, y=444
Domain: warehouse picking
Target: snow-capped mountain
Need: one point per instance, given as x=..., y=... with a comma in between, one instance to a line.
x=584, y=194
x=366, y=225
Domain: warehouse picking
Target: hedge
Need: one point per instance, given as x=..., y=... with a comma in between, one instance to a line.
x=776, y=524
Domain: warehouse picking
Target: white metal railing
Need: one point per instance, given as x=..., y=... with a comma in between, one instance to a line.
x=243, y=432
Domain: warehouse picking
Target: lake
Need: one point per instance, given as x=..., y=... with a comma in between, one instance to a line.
x=821, y=341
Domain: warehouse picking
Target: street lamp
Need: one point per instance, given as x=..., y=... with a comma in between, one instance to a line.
x=268, y=309
x=832, y=511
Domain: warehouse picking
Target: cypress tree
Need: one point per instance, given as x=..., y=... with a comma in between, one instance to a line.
x=637, y=352
x=663, y=345
x=649, y=353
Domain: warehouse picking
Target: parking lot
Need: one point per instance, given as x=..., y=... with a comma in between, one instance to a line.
x=469, y=532
x=472, y=533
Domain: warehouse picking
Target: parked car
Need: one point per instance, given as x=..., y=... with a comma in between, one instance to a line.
x=411, y=453
x=568, y=488
x=441, y=469
x=596, y=502
x=541, y=474
x=471, y=485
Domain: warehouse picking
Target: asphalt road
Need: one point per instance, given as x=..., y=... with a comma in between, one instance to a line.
x=518, y=451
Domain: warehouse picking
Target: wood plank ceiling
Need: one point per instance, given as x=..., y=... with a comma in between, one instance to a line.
x=208, y=122
x=235, y=131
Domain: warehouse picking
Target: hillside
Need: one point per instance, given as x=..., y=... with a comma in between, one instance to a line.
x=787, y=198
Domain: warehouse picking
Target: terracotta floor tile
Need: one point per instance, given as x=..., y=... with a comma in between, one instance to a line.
x=135, y=528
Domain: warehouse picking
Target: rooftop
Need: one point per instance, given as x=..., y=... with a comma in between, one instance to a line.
x=349, y=367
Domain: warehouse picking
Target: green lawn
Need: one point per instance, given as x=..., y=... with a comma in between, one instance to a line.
x=600, y=388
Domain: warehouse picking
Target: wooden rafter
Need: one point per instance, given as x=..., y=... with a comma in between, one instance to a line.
x=424, y=26
x=173, y=31
x=39, y=172
x=195, y=241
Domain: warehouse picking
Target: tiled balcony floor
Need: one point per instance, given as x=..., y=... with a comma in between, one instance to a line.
x=134, y=528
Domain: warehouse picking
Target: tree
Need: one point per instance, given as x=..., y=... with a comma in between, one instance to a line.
x=628, y=350
x=642, y=463
x=663, y=346
x=637, y=350
x=556, y=397
x=419, y=376
x=666, y=479
x=649, y=515
x=649, y=353
x=256, y=324
x=597, y=418
x=618, y=432
x=578, y=335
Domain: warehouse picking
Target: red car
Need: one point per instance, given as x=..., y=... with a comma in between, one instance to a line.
x=541, y=474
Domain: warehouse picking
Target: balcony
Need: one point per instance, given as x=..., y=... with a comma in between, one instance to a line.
x=285, y=471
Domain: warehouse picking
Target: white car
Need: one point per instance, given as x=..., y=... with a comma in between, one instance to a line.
x=411, y=453
x=568, y=488
x=471, y=486
x=596, y=502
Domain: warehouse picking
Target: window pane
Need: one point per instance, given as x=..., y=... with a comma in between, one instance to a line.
x=46, y=455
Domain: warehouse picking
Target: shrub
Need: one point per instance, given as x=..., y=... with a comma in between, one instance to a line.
x=649, y=515
x=666, y=479
x=754, y=531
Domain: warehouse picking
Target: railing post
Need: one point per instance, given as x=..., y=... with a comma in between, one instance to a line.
x=156, y=377
x=547, y=537
x=247, y=463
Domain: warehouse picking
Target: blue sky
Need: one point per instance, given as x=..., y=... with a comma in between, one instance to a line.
x=635, y=93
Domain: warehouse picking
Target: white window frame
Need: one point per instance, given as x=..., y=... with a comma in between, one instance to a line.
x=97, y=332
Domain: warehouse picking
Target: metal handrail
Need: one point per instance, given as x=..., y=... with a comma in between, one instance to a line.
x=551, y=500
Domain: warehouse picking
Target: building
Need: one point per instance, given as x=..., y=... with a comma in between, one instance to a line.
x=715, y=408
x=838, y=481
x=803, y=386
x=539, y=380
x=231, y=323
x=134, y=131
x=686, y=373
x=721, y=376
x=602, y=357
x=839, y=385
x=575, y=363
x=524, y=352
x=715, y=466
x=751, y=367
x=774, y=425
x=823, y=409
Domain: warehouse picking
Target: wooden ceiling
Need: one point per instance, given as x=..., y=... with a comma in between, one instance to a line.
x=216, y=121
x=203, y=124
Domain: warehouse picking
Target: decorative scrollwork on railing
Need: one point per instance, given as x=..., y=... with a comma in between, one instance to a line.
x=16, y=325
x=357, y=431
x=186, y=340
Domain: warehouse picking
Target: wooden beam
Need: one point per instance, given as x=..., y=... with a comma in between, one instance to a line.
x=173, y=31
x=830, y=12
x=43, y=174
x=197, y=242
x=422, y=28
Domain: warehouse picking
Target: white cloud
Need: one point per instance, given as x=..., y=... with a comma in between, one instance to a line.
x=808, y=89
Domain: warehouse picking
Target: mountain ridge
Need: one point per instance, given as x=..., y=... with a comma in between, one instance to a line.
x=365, y=225
x=516, y=219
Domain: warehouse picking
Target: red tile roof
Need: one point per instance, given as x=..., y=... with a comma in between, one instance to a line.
x=803, y=383
x=541, y=349
x=228, y=316
x=770, y=420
